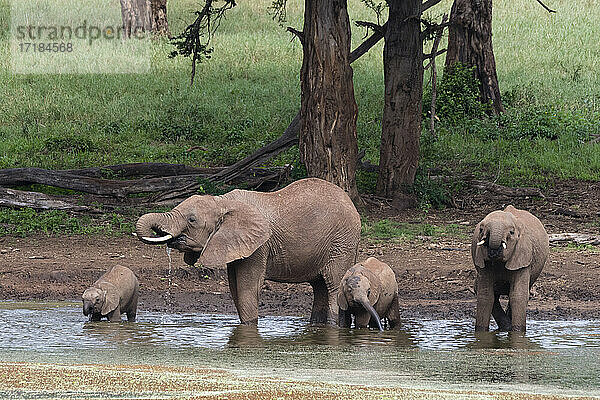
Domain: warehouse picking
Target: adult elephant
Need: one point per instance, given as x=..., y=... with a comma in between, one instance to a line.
x=305, y=232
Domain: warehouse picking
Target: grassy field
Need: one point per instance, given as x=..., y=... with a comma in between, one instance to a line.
x=249, y=91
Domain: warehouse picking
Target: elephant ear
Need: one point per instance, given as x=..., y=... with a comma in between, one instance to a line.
x=341, y=299
x=375, y=286
x=240, y=230
x=477, y=251
x=523, y=253
x=111, y=299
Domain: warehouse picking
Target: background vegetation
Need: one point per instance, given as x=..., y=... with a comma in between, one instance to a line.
x=248, y=92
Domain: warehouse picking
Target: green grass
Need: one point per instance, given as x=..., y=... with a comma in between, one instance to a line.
x=389, y=230
x=26, y=222
x=248, y=92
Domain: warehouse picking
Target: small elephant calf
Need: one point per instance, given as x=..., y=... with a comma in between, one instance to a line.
x=115, y=293
x=509, y=250
x=369, y=291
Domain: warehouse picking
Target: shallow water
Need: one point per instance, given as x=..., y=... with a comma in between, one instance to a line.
x=553, y=357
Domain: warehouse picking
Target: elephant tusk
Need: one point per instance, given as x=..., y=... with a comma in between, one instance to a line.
x=481, y=243
x=158, y=239
x=504, y=245
x=134, y=234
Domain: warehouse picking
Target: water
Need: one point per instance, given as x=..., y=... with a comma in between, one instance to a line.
x=169, y=277
x=553, y=357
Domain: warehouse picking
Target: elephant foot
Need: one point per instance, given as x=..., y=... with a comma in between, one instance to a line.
x=479, y=328
x=250, y=322
x=323, y=318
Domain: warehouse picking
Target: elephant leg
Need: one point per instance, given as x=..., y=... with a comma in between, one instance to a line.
x=132, y=311
x=245, y=281
x=320, y=314
x=485, y=301
x=361, y=319
x=519, y=296
x=500, y=316
x=393, y=314
x=344, y=318
x=325, y=289
x=115, y=316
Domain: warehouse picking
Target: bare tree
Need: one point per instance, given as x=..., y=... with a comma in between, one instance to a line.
x=160, y=24
x=144, y=16
x=401, y=125
x=470, y=43
x=328, y=112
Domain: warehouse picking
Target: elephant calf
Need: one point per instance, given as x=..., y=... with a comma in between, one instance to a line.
x=369, y=291
x=509, y=250
x=115, y=293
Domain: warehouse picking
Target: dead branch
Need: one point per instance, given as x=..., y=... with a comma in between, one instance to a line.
x=17, y=199
x=595, y=139
x=570, y=213
x=436, y=43
x=371, y=25
x=546, y=7
x=113, y=187
x=428, y=4
x=579, y=238
x=297, y=33
x=141, y=169
x=505, y=190
x=429, y=55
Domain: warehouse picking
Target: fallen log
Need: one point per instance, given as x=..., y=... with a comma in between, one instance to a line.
x=142, y=169
x=579, y=238
x=505, y=190
x=111, y=187
x=17, y=199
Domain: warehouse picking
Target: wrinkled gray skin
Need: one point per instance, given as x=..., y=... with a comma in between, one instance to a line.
x=509, y=250
x=369, y=292
x=115, y=293
x=305, y=232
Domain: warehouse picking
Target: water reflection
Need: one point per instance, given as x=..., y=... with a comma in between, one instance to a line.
x=502, y=340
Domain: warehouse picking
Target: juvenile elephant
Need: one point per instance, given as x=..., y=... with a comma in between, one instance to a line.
x=113, y=294
x=509, y=250
x=305, y=232
x=369, y=291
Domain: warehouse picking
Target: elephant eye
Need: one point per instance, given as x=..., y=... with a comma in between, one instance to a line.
x=192, y=219
x=512, y=232
x=368, y=292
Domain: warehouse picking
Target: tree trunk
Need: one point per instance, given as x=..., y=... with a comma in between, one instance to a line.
x=136, y=17
x=401, y=125
x=327, y=142
x=160, y=25
x=470, y=43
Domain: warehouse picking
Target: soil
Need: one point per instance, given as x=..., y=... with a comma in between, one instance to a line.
x=435, y=274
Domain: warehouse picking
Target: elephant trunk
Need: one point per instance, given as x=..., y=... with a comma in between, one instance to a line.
x=495, y=243
x=88, y=308
x=156, y=223
x=374, y=316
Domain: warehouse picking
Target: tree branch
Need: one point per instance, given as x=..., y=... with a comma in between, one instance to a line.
x=370, y=25
x=437, y=53
x=428, y=4
x=546, y=7
x=297, y=33
x=436, y=43
x=17, y=199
